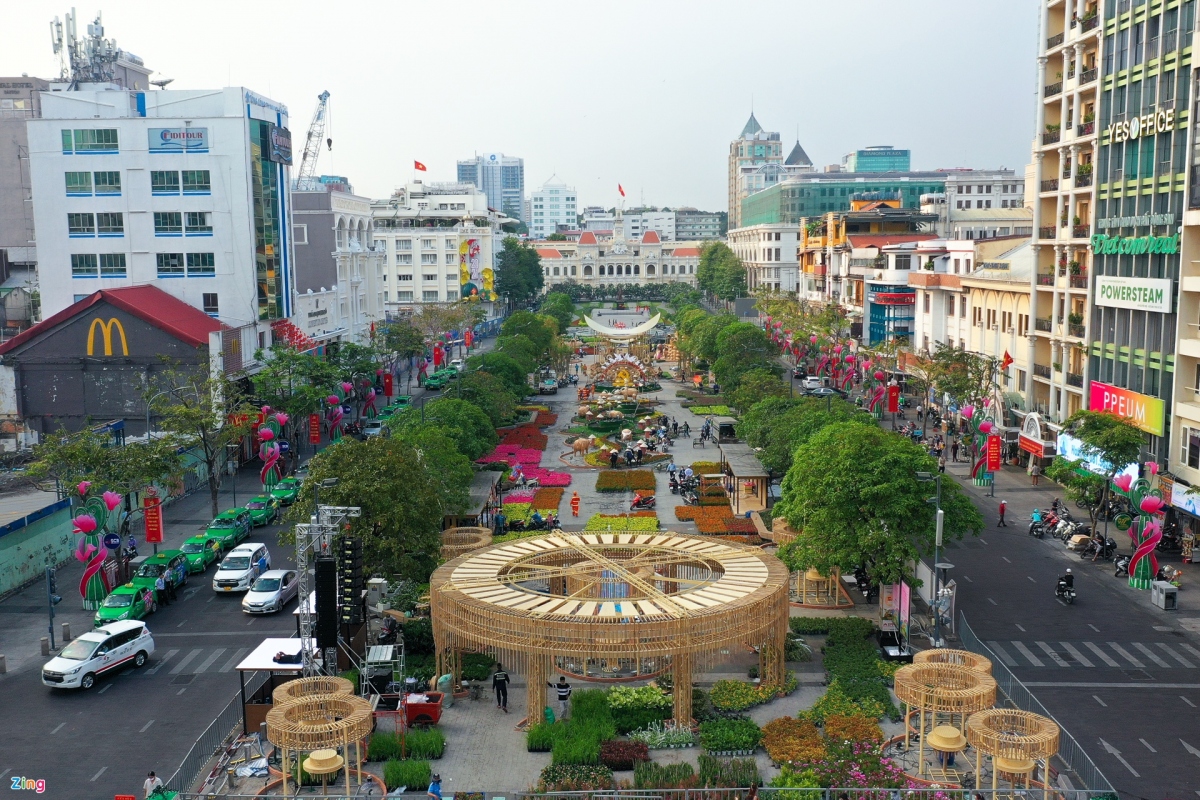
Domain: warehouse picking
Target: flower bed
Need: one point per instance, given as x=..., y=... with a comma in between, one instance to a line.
x=716, y=411
x=788, y=740
x=730, y=735
x=526, y=435
x=731, y=696
x=413, y=774
x=545, y=419
x=852, y=728
x=622, y=754
x=664, y=736
x=849, y=765
x=547, y=499
x=728, y=773
x=512, y=454
x=706, y=467
x=519, y=496
x=634, y=521
x=633, y=708
x=858, y=684
x=575, y=778
x=611, y=480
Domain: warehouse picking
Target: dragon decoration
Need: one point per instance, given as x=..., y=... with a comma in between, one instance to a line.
x=90, y=525
x=270, y=433
x=1146, y=527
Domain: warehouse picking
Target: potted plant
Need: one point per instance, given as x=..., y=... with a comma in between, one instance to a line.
x=1074, y=267
x=1052, y=127
x=1089, y=117
x=1057, y=366
x=1084, y=169
x=1075, y=319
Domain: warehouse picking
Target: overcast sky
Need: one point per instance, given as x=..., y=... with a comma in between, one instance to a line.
x=646, y=93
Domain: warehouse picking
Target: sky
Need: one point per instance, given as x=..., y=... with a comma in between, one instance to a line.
x=643, y=93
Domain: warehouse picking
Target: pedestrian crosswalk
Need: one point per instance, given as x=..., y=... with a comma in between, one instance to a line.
x=1135, y=655
x=196, y=661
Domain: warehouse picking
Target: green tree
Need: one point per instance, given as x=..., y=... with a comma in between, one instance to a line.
x=540, y=330
x=965, y=376
x=519, y=272
x=1109, y=439
x=778, y=425
x=755, y=385
x=64, y=459
x=556, y=237
x=720, y=272
x=559, y=306
x=521, y=349
x=504, y=367
x=490, y=394
x=702, y=343
x=740, y=348
x=1080, y=485
x=293, y=382
x=465, y=423
x=853, y=494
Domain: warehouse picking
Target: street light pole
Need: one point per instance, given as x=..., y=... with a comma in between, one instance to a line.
x=925, y=477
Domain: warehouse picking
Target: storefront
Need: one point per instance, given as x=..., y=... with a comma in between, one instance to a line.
x=1033, y=441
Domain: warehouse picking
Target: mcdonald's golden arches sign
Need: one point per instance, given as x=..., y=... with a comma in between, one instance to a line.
x=106, y=331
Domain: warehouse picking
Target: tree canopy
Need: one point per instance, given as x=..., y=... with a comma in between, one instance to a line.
x=88, y=455
x=1112, y=439
x=490, y=394
x=755, y=385
x=539, y=329
x=504, y=367
x=779, y=425
x=519, y=272
x=720, y=272
x=464, y=422
x=740, y=348
x=559, y=306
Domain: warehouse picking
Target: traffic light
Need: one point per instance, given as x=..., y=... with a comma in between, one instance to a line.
x=351, y=573
x=52, y=586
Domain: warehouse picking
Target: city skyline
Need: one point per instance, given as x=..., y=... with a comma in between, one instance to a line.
x=589, y=138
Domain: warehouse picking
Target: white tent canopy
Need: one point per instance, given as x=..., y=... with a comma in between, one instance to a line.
x=623, y=333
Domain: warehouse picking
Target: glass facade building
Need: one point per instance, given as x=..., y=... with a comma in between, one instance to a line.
x=882, y=158
x=811, y=195
x=268, y=244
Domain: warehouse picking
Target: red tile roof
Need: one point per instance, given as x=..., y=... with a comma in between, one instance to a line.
x=884, y=239
x=148, y=303
x=588, y=238
x=650, y=237
x=547, y=252
x=683, y=252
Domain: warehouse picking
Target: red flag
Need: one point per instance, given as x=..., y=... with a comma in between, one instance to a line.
x=418, y=165
x=621, y=189
x=1007, y=361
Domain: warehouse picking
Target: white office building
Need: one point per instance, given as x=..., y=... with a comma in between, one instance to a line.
x=551, y=206
x=501, y=178
x=640, y=220
x=771, y=255
x=185, y=190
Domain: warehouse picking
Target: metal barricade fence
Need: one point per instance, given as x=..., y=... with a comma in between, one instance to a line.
x=1019, y=695
x=213, y=739
x=763, y=793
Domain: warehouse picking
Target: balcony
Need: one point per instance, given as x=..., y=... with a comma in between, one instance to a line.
x=1086, y=129
x=1051, y=137
x=1051, y=184
x=1087, y=76
x=1045, y=280
x=1078, y=331
x=1042, y=325
x=1041, y=371
x=1083, y=179
x=1048, y=232
x=1079, y=281
x=1056, y=40
x=1053, y=89
x=1074, y=379
x=1081, y=231
x=1090, y=22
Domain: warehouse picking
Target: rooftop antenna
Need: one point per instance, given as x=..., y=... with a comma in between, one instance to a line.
x=90, y=60
x=161, y=83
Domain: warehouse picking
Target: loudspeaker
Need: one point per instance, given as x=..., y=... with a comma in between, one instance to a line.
x=350, y=573
x=327, y=603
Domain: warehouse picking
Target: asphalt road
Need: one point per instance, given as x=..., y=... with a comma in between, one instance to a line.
x=1121, y=676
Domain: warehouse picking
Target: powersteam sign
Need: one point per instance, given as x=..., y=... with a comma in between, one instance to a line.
x=1140, y=294
x=1103, y=244
x=1159, y=121
x=1142, y=410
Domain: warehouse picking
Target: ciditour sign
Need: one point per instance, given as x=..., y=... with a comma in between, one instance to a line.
x=1140, y=294
x=1144, y=411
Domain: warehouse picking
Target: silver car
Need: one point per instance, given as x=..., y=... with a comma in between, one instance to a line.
x=271, y=591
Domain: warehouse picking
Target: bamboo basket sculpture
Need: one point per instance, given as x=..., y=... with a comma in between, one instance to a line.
x=962, y=658
x=947, y=689
x=320, y=722
x=304, y=688
x=619, y=595
x=460, y=541
x=1016, y=740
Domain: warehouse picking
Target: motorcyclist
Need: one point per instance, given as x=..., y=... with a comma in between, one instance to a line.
x=1067, y=581
x=536, y=520
x=671, y=468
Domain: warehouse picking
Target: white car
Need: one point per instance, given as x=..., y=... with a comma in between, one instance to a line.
x=372, y=427
x=239, y=569
x=96, y=652
x=273, y=590
x=458, y=364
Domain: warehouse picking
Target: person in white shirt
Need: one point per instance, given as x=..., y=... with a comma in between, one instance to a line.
x=152, y=783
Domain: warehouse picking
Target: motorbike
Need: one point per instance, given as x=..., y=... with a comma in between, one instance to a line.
x=863, y=580
x=389, y=632
x=1122, y=565
x=1064, y=592
x=1099, y=547
x=689, y=497
x=642, y=503
x=131, y=548
x=674, y=485
x=548, y=522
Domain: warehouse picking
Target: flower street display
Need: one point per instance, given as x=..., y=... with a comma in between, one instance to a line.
x=270, y=432
x=95, y=521
x=633, y=521
x=1146, y=527
x=788, y=740
x=664, y=735
x=611, y=480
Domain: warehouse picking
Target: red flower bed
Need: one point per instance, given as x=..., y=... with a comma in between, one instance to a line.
x=526, y=435
x=547, y=498
x=620, y=754
x=741, y=525
x=715, y=520
x=545, y=419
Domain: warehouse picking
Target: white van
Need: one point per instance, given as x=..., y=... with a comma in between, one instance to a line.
x=241, y=566
x=96, y=652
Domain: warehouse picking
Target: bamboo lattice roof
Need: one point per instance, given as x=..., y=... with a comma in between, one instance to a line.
x=946, y=688
x=319, y=721
x=303, y=688
x=962, y=658
x=460, y=541
x=1013, y=734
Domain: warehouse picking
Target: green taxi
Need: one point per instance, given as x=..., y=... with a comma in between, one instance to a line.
x=201, y=551
x=439, y=379
x=230, y=527
x=286, y=491
x=263, y=509
x=401, y=403
x=125, y=602
x=172, y=565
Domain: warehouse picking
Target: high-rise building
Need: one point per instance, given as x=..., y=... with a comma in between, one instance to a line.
x=183, y=190
x=878, y=158
x=501, y=178
x=551, y=206
x=749, y=153
x=693, y=224
x=639, y=220
x=21, y=100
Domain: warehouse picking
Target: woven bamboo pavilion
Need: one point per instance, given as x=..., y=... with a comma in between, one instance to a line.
x=630, y=595
x=460, y=541
x=943, y=689
x=1016, y=740
x=962, y=658
x=308, y=723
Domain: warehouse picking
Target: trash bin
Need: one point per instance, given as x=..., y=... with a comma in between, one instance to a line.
x=1164, y=595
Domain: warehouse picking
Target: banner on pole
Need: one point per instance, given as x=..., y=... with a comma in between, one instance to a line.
x=314, y=428
x=893, y=399
x=152, y=510
x=994, y=445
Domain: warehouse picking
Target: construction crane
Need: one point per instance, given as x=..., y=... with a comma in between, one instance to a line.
x=312, y=145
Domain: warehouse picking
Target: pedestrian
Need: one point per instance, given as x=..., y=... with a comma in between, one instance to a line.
x=574, y=504
x=612, y=458
x=674, y=426
x=954, y=451
x=920, y=414
x=435, y=787
x=1003, y=508
x=151, y=783
x=641, y=452
x=942, y=463
x=1035, y=472
x=160, y=591
x=671, y=469
x=171, y=591
x=500, y=686
x=687, y=430
x=564, y=695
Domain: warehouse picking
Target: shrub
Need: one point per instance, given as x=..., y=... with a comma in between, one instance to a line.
x=540, y=737
x=726, y=735
x=659, y=735
x=729, y=695
x=652, y=775
x=852, y=661
x=611, y=480
x=789, y=778
x=574, y=778
x=716, y=411
x=382, y=747
x=841, y=728
x=413, y=774
x=728, y=773
x=477, y=666
x=634, y=521
x=590, y=724
x=424, y=743
x=836, y=702
x=789, y=740
x=633, y=708
x=622, y=754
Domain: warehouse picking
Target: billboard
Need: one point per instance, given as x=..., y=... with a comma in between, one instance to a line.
x=279, y=141
x=475, y=279
x=1144, y=411
x=1139, y=294
x=178, y=140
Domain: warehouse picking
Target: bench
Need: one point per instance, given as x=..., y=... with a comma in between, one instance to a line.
x=697, y=443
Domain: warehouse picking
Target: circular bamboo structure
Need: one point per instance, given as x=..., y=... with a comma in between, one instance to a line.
x=460, y=541
x=320, y=722
x=961, y=658
x=1015, y=740
x=303, y=688
x=941, y=688
x=612, y=595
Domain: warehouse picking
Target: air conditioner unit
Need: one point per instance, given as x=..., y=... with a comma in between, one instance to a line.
x=1012, y=330
x=995, y=327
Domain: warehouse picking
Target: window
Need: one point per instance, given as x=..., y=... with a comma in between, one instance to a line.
x=110, y=224
x=83, y=265
x=300, y=234
x=925, y=301
x=196, y=181
x=950, y=306
x=81, y=225
x=452, y=244
x=427, y=244
x=1191, y=447
x=451, y=258
x=403, y=244
x=112, y=265
x=108, y=183
x=428, y=258
x=404, y=277
x=199, y=223
x=168, y=223
x=164, y=182
x=209, y=303
x=404, y=296
x=97, y=140
x=404, y=258
x=430, y=297
x=79, y=184
x=1022, y=324
x=170, y=265
x=977, y=315
x=962, y=306
x=429, y=277
x=201, y=265
x=903, y=262
x=991, y=317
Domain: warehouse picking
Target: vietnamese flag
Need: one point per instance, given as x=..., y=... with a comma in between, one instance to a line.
x=621, y=189
x=1007, y=361
x=417, y=165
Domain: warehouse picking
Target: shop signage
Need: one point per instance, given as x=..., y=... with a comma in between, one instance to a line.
x=314, y=429
x=993, y=453
x=1072, y=449
x=112, y=541
x=152, y=511
x=1142, y=410
x=1140, y=294
x=1030, y=439
x=279, y=141
x=1186, y=498
x=1139, y=221
x=1159, y=121
x=1102, y=244
x=178, y=140
x=893, y=298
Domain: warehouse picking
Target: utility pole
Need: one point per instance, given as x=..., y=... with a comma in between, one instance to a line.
x=53, y=599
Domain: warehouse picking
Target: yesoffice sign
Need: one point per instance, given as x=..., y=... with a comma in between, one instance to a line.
x=1140, y=294
x=1149, y=124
